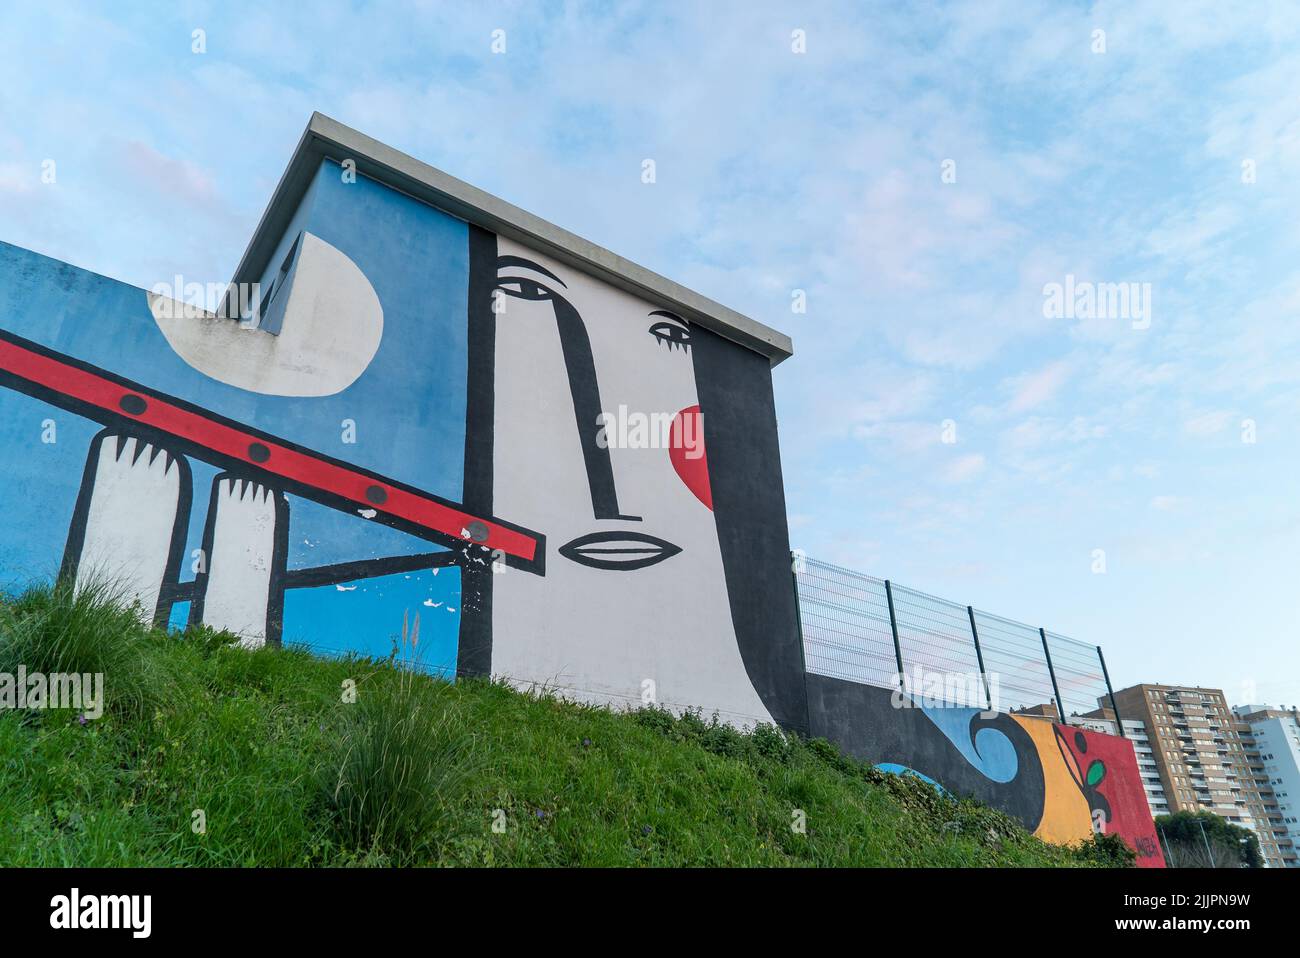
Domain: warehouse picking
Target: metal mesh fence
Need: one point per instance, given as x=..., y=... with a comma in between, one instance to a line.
x=845, y=621
x=851, y=633
x=1079, y=675
x=933, y=635
x=1014, y=660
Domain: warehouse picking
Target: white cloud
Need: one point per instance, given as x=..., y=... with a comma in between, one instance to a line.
x=16, y=178
x=1037, y=431
x=964, y=468
x=1194, y=236
x=1034, y=389
x=1208, y=423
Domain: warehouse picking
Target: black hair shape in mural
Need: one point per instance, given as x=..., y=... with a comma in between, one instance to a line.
x=738, y=411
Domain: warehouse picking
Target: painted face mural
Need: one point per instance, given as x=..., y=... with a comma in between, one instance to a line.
x=599, y=445
x=351, y=461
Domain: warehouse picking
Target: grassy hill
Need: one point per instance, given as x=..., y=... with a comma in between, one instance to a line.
x=211, y=755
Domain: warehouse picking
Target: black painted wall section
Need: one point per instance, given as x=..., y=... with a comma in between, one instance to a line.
x=474, y=657
x=744, y=456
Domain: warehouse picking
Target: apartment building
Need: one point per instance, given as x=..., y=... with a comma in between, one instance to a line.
x=1207, y=758
x=1271, y=737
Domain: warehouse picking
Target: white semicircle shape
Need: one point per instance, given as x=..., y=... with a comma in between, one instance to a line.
x=332, y=326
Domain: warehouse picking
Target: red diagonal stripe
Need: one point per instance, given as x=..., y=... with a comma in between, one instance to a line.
x=266, y=454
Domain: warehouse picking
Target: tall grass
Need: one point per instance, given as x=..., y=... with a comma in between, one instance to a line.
x=423, y=772
x=403, y=760
x=89, y=630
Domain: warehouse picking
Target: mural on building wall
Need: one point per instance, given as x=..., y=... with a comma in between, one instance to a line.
x=133, y=512
x=428, y=419
x=573, y=487
x=1061, y=782
x=626, y=508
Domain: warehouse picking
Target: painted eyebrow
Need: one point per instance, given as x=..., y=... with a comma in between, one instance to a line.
x=503, y=261
x=668, y=315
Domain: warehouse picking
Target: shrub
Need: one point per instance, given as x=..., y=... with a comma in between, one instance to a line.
x=1107, y=850
x=403, y=758
x=89, y=630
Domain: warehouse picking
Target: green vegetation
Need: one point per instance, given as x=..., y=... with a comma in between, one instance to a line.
x=1206, y=840
x=209, y=754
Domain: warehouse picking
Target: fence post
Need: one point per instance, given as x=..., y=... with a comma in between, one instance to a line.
x=1119, y=721
x=795, y=561
x=1060, y=706
x=979, y=656
x=1208, y=849
x=798, y=613
x=893, y=627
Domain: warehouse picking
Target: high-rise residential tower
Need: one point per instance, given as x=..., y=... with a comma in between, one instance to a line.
x=1208, y=759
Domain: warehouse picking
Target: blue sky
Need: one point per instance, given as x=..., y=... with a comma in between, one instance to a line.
x=820, y=171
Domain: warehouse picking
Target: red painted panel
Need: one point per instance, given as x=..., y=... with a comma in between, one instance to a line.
x=1105, y=769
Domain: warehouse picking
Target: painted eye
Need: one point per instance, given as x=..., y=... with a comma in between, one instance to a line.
x=521, y=288
x=672, y=334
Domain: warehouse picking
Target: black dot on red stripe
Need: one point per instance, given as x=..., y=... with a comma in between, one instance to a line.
x=376, y=495
x=133, y=404
x=258, y=452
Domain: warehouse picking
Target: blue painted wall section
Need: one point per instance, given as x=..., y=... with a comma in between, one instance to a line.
x=416, y=260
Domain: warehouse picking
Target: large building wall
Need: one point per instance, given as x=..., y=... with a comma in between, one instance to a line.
x=569, y=485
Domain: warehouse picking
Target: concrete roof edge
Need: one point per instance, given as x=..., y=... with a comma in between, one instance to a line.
x=327, y=138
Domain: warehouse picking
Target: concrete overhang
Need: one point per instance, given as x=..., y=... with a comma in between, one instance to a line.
x=326, y=138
